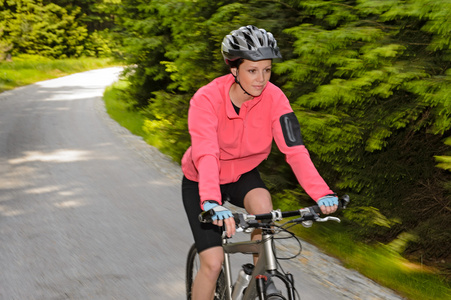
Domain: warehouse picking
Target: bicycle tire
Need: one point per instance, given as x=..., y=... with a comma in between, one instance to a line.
x=192, y=266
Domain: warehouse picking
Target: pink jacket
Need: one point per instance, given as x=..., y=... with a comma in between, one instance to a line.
x=225, y=145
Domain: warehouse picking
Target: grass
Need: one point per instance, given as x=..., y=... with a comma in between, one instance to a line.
x=120, y=111
x=378, y=262
x=28, y=69
x=135, y=121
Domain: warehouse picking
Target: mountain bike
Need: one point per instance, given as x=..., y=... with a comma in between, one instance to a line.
x=257, y=282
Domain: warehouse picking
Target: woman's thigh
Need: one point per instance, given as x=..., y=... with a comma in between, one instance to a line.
x=206, y=235
x=237, y=192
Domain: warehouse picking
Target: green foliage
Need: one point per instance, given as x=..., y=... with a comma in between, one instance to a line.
x=368, y=80
x=370, y=85
x=382, y=263
x=99, y=44
x=166, y=125
x=55, y=29
x=120, y=110
x=368, y=217
x=445, y=160
x=48, y=30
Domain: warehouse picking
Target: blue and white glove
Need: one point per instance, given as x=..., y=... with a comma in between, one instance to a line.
x=220, y=211
x=328, y=200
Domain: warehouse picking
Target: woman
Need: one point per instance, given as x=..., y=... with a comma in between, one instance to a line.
x=232, y=122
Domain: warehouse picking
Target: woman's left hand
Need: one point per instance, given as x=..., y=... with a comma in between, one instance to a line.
x=328, y=204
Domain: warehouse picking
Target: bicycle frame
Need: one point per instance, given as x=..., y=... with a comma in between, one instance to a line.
x=267, y=263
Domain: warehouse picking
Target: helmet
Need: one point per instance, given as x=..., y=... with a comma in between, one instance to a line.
x=249, y=42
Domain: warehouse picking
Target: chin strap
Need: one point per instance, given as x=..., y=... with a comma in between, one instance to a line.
x=237, y=81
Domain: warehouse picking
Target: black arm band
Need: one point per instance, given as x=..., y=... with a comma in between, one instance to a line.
x=291, y=130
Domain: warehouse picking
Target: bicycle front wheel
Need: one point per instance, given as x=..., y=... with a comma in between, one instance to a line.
x=192, y=267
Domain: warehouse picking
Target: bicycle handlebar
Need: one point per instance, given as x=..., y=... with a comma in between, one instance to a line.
x=310, y=213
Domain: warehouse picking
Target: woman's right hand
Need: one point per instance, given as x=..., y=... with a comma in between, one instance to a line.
x=222, y=216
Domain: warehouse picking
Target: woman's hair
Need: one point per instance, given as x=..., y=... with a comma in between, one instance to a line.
x=235, y=63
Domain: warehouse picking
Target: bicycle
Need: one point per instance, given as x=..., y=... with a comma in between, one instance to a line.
x=256, y=282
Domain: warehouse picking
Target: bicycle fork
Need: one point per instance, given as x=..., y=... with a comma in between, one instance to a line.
x=228, y=275
x=267, y=265
x=271, y=268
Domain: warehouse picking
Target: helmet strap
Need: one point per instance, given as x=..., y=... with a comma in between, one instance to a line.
x=237, y=81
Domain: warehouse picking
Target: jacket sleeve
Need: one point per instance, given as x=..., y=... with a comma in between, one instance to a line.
x=287, y=135
x=202, y=124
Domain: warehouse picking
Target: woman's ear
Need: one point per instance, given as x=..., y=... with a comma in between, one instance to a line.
x=233, y=71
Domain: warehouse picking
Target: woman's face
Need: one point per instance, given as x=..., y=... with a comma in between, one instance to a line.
x=253, y=75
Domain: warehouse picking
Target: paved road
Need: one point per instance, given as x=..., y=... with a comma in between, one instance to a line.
x=89, y=211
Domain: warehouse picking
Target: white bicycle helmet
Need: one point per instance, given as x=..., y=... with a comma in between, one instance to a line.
x=249, y=42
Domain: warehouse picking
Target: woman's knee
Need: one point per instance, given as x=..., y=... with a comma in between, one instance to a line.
x=211, y=260
x=258, y=201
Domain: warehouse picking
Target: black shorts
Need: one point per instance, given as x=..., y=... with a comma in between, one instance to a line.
x=207, y=235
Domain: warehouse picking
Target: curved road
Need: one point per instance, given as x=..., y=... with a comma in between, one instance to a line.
x=89, y=211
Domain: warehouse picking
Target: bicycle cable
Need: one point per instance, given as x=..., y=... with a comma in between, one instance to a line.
x=290, y=236
x=282, y=270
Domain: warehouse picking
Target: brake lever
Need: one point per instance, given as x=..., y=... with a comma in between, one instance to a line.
x=328, y=218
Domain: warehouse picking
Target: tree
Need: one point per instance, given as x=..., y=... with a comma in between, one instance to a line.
x=371, y=84
x=48, y=30
x=58, y=28
x=97, y=15
x=368, y=80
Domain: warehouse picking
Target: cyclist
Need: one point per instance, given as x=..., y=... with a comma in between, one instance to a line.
x=232, y=122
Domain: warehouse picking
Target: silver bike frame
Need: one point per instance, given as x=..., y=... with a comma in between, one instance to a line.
x=266, y=262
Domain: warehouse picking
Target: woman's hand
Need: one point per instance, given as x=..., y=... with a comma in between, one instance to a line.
x=328, y=204
x=222, y=216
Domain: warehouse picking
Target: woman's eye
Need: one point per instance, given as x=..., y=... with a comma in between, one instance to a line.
x=252, y=71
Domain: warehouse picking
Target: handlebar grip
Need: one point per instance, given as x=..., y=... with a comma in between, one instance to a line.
x=206, y=216
x=342, y=204
x=316, y=209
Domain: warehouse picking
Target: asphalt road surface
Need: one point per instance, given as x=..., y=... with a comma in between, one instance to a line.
x=89, y=211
